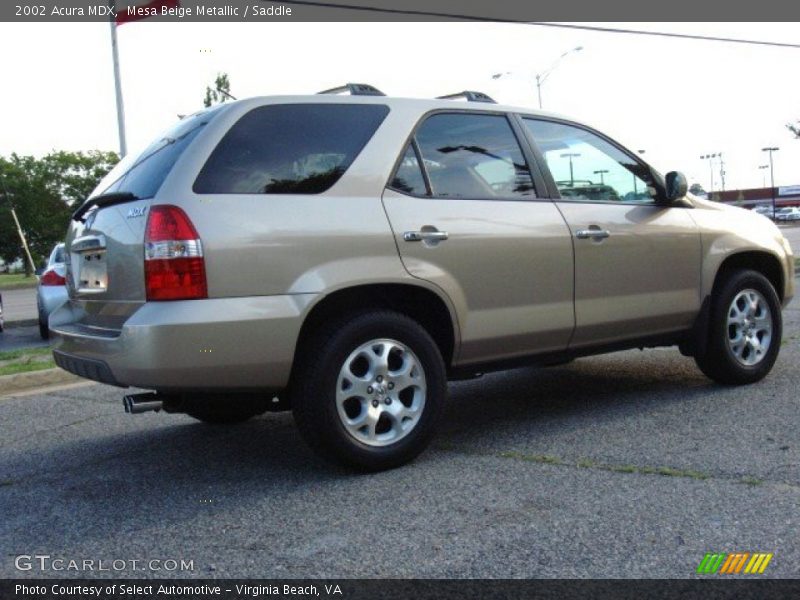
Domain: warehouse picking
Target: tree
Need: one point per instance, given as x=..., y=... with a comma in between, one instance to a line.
x=44, y=192
x=697, y=189
x=221, y=91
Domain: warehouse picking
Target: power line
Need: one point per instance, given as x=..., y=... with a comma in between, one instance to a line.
x=596, y=28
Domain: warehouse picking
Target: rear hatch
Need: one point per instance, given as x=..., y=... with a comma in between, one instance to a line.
x=105, y=240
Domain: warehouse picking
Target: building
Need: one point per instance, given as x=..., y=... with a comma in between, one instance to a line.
x=784, y=196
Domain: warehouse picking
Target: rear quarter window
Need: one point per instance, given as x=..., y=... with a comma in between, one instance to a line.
x=289, y=149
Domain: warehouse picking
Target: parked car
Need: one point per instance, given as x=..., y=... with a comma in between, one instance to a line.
x=345, y=256
x=51, y=292
x=788, y=214
x=763, y=210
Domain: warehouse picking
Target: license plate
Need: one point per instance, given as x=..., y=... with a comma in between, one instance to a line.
x=92, y=272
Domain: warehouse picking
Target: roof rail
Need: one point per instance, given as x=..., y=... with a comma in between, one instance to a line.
x=355, y=89
x=469, y=96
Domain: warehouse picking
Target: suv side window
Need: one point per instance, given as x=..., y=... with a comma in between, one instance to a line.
x=289, y=149
x=408, y=176
x=473, y=156
x=588, y=168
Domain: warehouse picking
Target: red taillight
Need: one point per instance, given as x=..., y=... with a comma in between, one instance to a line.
x=52, y=278
x=174, y=267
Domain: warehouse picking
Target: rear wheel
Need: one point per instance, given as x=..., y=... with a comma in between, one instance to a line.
x=745, y=330
x=369, y=390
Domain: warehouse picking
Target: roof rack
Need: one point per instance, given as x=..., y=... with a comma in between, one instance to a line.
x=355, y=89
x=469, y=96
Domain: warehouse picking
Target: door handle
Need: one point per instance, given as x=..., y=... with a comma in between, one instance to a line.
x=597, y=234
x=424, y=235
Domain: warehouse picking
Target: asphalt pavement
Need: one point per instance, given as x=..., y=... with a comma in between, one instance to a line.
x=21, y=338
x=624, y=465
x=792, y=233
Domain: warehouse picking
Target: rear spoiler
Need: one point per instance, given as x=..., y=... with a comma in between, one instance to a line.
x=103, y=200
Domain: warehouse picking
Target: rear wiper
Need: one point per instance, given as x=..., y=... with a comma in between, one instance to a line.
x=103, y=200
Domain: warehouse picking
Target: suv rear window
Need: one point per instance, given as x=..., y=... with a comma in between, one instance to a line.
x=289, y=149
x=142, y=174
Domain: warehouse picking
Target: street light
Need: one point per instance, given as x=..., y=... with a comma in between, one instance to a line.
x=771, y=175
x=570, y=156
x=601, y=172
x=542, y=77
x=710, y=158
x=763, y=175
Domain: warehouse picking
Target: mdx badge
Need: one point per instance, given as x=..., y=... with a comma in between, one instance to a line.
x=137, y=211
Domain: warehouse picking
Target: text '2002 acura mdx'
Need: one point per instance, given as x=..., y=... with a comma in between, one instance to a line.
x=344, y=256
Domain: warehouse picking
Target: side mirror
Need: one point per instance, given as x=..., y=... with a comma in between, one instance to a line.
x=676, y=185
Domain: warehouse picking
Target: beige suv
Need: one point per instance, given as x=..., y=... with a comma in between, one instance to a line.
x=343, y=256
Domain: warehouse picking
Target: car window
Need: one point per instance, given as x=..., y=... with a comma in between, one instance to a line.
x=289, y=149
x=408, y=176
x=142, y=174
x=473, y=156
x=588, y=168
x=58, y=255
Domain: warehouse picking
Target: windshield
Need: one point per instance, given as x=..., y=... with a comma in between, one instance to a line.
x=142, y=173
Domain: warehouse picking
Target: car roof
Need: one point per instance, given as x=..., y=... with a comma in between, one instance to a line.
x=420, y=104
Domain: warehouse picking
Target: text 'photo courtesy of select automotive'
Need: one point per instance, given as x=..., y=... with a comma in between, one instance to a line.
x=380, y=299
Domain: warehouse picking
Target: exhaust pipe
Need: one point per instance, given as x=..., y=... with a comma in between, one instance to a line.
x=140, y=403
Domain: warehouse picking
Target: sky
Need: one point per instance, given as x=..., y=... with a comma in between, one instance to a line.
x=676, y=99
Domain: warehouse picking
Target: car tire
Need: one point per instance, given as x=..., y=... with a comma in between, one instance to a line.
x=744, y=332
x=369, y=390
x=44, y=331
x=224, y=411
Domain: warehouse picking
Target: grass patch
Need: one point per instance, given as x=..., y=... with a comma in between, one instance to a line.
x=24, y=361
x=16, y=281
x=751, y=481
x=15, y=354
x=14, y=368
x=544, y=459
x=585, y=463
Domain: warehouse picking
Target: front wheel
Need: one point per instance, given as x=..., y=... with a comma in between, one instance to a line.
x=369, y=390
x=745, y=330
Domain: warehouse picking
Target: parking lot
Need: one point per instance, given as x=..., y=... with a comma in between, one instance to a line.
x=625, y=465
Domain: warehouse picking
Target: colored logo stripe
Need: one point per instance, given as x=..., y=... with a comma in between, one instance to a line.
x=758, y=563
x=710, y=563
x=732, y=564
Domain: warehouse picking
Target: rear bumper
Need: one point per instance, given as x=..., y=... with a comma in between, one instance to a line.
x=215, y=344
x=50, y=298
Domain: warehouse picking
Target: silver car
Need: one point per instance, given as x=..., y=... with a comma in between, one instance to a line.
x=51, y=291
x=344, y=256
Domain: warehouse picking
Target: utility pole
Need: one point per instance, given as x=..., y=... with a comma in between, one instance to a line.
x=19, y=229
x=771, y=175
x=123, y=145
x=601, y=172
x=24, y=241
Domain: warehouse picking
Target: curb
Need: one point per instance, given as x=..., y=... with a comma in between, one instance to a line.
x=20, y=323
x=20, y=382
